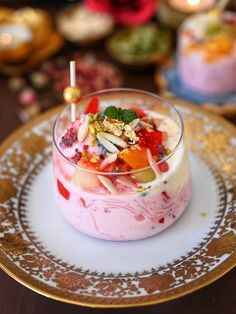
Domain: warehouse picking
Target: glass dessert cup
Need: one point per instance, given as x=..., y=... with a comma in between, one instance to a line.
x=206, y=59
x=139, y=203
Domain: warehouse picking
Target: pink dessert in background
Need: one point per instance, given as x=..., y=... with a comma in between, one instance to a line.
x=121, y=173
x=207, y=53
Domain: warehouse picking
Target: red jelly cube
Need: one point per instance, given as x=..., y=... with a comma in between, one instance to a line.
x=140, y=113
x=92, y=106
x=150, y=140
x=62, y=190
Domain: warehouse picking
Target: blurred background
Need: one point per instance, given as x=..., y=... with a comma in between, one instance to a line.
x=184, y=49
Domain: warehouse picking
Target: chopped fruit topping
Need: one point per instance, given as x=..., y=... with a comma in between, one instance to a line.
x=144, y=176
x=160, y=151
x=88, y=164
x=111, y=168
x=93, y=106
x=122, y=166
x=69, y=138
x=62, y=190
x=140, y=113
x=135, y=158
x=161, y=220
x=163, y=167
x=116, y=140
x=85, y=179
x=151, y=140
x=77, y=156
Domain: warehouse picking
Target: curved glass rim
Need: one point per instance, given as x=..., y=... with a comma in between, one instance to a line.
x=110, y=90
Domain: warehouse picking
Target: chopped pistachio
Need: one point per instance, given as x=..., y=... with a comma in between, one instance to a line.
x=149, y=129
x=96, y=116
x=141, y=189
x=94, y=159
x=92, y=141
x=98, y=126
x=85, y=155
x=92, y=129
x=167, y=151
x=91, y=119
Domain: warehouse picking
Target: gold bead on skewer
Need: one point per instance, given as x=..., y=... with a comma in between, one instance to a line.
x=72, y=94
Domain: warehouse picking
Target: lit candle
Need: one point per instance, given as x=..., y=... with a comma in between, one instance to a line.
x=172, y=13
x=192, y=6
x=12, y=36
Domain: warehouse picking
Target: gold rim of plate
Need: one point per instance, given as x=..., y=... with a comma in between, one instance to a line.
x=67, y=295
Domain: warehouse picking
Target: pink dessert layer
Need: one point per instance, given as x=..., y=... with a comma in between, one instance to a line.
x=124, y=218
x=210, y=78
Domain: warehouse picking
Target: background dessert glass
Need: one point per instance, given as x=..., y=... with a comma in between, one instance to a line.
x=130, y=213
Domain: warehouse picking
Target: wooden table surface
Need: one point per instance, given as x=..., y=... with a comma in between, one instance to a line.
x=217, y=298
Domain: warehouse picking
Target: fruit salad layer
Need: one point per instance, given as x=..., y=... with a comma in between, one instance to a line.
x=121, y=177
x=207, y=53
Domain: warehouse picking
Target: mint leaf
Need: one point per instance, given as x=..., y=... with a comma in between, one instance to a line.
x=129, y=115
x=111, y=112
x=125, y=115
x=120, y=114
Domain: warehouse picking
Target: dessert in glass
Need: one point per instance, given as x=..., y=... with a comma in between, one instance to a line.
x=121, y=169
x=207, y=53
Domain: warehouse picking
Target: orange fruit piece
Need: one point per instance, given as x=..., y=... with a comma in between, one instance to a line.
x=135, y=158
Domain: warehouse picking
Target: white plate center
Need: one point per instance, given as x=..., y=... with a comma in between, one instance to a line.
x=76, y=249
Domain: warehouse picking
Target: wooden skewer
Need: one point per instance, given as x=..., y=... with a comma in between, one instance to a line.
x=73, y=84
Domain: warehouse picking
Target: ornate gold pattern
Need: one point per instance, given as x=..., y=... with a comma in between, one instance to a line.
x=14, y=243
x=26, y=260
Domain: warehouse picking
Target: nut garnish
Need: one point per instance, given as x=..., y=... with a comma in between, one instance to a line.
x=114, y=139
x=108, y=145
x=107, y=184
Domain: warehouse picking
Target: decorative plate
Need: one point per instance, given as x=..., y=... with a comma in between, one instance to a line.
x=40, y=250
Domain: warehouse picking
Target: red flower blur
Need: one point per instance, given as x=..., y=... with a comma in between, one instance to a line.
x=125, y=12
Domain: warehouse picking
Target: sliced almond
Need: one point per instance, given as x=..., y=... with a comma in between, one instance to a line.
x=134, y=123
x=108, y=145
x=126, y=181
x=114, y=139
x=152, y=163
x=146, y=124
x=107, y=184
x=83, y=129
x=107, y=161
